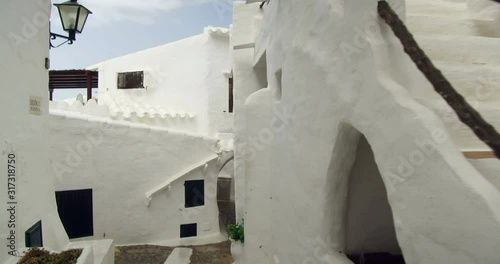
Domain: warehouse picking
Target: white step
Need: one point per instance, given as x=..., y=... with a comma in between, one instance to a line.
x=461, y=134
x=437, y=25
x=461, y=49
x=436, y=8
x=480, y=83
x=180, y=256
x=103, y=251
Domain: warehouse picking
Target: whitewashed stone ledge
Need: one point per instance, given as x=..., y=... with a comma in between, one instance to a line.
x=217, y=31
x=166, y=185
x=94, y=119
x=180, y=256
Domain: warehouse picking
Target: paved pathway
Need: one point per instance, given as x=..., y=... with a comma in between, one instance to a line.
x=147, y=254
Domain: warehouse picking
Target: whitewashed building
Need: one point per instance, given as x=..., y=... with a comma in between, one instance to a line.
x=184, y=85
x=139, y=167
x=342, y=148
x=29, y=215
x=146, y=157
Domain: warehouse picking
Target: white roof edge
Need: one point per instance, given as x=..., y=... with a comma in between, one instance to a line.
x=94, y=67
x=143, y=50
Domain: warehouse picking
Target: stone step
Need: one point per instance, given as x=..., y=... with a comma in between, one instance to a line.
x=180, y=256
x=461, y=49
x=455, y=1
x=437, y=25
x=477, y=83
x=461, y=134
x=436, y=8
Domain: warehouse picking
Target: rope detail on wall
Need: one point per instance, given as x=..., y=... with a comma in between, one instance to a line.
x=466, y=113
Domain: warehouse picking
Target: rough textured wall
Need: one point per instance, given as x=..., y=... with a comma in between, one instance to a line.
x=121, y=164
x=24, y=47
x=246, y=82
x=338, y=72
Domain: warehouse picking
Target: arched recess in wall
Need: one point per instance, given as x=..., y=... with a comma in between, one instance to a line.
x=260, y=69
x=358, y=216
x=225, y=194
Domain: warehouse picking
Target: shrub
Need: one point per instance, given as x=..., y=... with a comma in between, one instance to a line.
x=40, y=255
x=237, y=232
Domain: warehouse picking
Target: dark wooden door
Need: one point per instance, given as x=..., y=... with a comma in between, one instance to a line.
x=75, y=209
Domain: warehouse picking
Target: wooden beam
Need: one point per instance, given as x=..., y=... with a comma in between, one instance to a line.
x=479, y=154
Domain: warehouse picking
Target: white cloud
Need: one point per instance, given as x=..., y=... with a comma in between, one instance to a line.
x=138, y=11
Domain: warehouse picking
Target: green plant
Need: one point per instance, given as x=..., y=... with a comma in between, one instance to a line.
x=39, y=255
x=237, y=232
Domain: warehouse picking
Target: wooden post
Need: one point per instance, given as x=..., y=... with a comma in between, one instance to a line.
x=231, y=94
x=89, y=85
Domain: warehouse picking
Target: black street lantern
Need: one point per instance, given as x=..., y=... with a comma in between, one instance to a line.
x=73, y=18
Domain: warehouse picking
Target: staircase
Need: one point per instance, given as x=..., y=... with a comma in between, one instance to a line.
x=460, y=43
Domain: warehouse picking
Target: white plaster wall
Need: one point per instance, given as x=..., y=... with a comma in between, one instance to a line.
x=121, y=163
x=24, y=43
x=185, y=76
x=259, y=197
x=489, y=168
x=344, y=75
x=217, y=85
x=246, y=82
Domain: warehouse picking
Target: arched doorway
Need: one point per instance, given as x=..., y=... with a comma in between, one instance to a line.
x=359, y=217
x=370, y=236
x=225, y=196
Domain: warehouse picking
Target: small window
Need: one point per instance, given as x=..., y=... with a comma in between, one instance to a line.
x=189, y=230
x=33, y=237
x=194, y=193
x=131, y=80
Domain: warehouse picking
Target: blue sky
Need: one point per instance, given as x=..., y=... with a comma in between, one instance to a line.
x=119, y=27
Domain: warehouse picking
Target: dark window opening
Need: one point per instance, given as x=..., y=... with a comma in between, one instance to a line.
x=75, y=209
x=279, y=77
x=231, y=102
x=224, y=189
x=33, y=237
x=261, y=71
x=194, y=193
x=131, y=80
x=189, y=230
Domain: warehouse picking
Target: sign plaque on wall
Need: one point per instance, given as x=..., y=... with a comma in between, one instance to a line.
x=35, y=105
